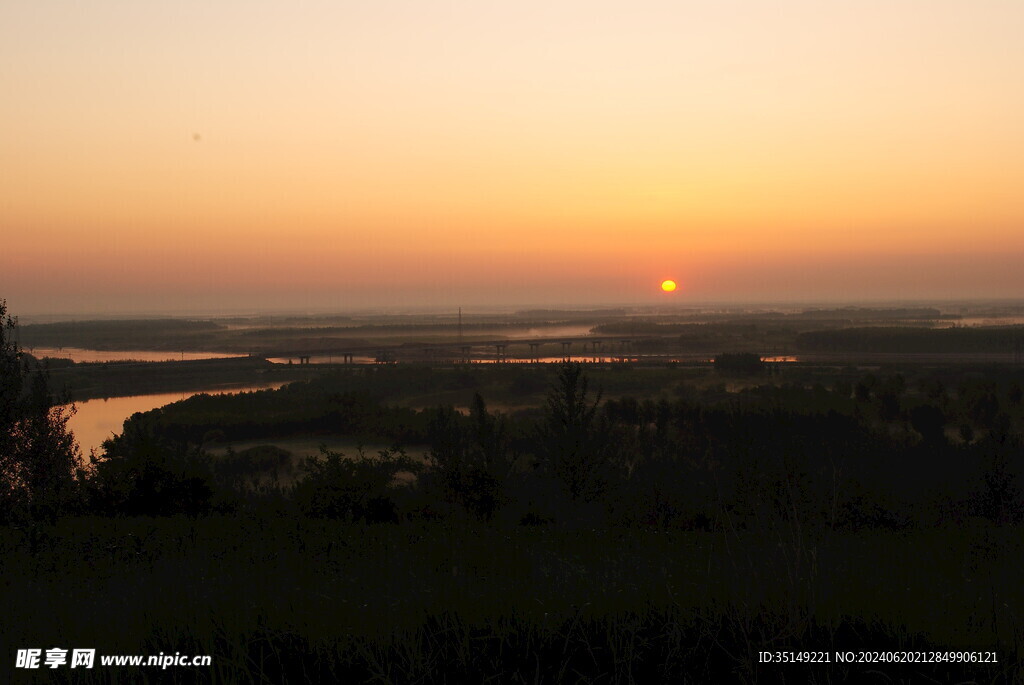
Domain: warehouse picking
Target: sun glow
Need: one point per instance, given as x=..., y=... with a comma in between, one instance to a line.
x=766, y=155
x=668, y=286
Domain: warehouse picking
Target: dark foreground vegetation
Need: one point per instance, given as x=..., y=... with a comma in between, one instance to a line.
x=667, y=529
x=322, y=600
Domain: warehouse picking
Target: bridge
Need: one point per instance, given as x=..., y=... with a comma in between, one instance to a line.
x=495, y=349
x=613, y=348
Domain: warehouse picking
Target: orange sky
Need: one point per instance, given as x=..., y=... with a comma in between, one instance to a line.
x=193, y=155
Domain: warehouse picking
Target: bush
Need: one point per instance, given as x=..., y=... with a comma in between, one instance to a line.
x=360, y=489
x=471, y=459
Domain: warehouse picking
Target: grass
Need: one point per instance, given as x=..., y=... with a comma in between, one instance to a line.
x=304, y=600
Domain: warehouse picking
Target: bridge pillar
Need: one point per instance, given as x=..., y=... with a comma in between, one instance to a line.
x=534, y=354
x=626, y=347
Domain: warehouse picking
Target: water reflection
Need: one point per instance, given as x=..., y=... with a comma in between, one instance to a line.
x=478, y=357
x=97, y=420
x=78, y=355
x=325, y=359
x=585, y=359
x=543, y=332
x=634, y=358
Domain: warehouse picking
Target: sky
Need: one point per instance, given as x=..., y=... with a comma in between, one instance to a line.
x=255, y=154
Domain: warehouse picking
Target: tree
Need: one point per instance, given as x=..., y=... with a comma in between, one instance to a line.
x=39, y=458
x=930, y=422
x=573, y=444
x=352, y=489
x=471, y=459
x=142, y=474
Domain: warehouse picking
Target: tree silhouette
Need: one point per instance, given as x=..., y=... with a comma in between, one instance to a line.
x=39, y=459
x=471, y=459
x=571, y=445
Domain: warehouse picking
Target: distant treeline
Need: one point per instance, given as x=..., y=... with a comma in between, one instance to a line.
x=688, y=331
x=574, y=314
x=646, y=326
x=367, y=404
x=702, y=337
x=90, y=380
x=869, y=454
x=295, y=410
x=445, y=327
x=843, y=316
x=161, y=334
x=733, y=323
x=882, y=339
x=873, y=313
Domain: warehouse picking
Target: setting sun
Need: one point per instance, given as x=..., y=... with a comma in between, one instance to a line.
x=668, y=286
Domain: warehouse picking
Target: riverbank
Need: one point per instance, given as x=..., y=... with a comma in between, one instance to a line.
x=121, y=379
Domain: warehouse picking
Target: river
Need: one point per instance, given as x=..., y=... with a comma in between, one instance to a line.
x=97, y=420
x=79, y=355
